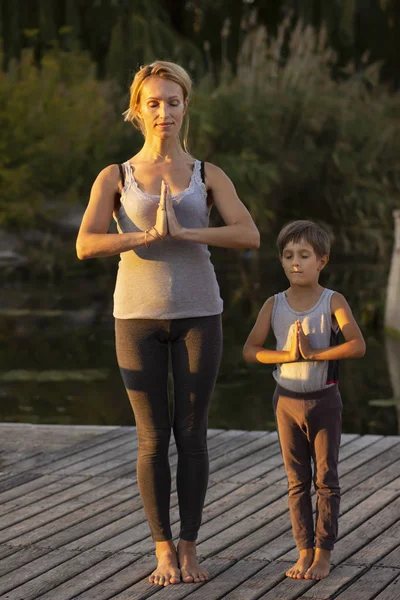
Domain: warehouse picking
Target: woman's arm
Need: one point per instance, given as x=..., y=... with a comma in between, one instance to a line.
x=93, y=241
x=239, y=230
x=253, y=350
x=353, y=347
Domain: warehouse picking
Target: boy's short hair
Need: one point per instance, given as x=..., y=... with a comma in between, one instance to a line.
x=308, y=231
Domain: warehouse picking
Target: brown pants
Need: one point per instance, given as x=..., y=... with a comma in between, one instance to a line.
x=309, y=429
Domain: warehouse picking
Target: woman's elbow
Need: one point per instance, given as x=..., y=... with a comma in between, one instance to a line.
x=254, y=241
x=81, y=250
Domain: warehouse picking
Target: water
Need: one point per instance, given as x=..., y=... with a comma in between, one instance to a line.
x=58, y=360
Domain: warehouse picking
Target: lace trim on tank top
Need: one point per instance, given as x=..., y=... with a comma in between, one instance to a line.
x=176, y=198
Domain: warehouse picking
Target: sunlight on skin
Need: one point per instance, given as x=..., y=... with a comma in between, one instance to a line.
x=167, y=571
x=321, y=565
x=191, y=571
x=305, y=561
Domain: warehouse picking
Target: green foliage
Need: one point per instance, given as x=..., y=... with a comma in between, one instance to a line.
x=299, y=144
x=60, y=125
x=295, y=142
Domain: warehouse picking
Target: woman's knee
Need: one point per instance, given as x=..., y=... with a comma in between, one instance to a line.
x=154, y=442
x=191, y=440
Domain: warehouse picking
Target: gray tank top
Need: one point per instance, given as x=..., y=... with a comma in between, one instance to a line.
x=172, y=279
x=305, y=375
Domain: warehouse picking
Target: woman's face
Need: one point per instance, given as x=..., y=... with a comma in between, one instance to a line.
x=162, y=107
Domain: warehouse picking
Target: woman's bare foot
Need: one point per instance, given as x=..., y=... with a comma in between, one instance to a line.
x=191, y=571
x=305, y=561
x=167, y=570
x=321, y=565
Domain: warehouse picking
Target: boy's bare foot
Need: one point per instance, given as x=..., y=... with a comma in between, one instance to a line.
x=321, y=565
x=191, y=571
x=305, y=561
x=167, y=570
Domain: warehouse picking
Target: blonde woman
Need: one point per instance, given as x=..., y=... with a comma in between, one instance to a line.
x=166, y=300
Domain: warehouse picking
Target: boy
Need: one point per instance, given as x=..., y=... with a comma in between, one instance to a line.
x=306, y=320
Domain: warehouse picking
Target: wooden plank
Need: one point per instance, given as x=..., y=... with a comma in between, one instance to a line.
x=91, y=447
x=356, y=445
x=31, y=568
x=19, y=557
x=226, y=581
x=239, y=504
x=372, y=459
x=392, y=592
x=46, y=582
x=51, y=438
x=210, y=542
x=33, y=491
x=377, y=548
x=70, y=531
x=84, y=580
x=249, y=545
x=260, y=583
x=352, y=448
x=232, y=470
x=353, y=512
x=6, y=550
x=339, y=578
x=71, y=498
x=231, y=456
x=119, y=581
x=264, y=467
x=87, y=461
x=392, y=559
x=362, y=535
x=144, y=589
x=39, y=527
x=120, y=533
x=252, y=508
x=369, y=584
x=287, y=588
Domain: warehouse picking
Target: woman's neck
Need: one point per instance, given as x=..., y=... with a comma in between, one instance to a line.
x=156, y=150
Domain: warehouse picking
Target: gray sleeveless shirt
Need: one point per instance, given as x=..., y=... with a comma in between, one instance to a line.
x=172, y=279
x=305, y=375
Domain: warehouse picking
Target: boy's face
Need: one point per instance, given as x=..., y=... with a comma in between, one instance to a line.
x=300, y=263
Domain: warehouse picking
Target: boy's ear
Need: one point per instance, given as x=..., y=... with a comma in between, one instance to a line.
x=323, y=261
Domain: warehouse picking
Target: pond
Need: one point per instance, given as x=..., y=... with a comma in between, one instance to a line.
x=58, y=360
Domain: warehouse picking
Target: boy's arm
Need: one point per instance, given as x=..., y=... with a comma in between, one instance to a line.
x=253, y=350
x=353, y=347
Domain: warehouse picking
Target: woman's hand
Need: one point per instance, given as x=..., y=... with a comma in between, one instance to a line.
x=175, y=230
x=161, y=224
x=294, y=352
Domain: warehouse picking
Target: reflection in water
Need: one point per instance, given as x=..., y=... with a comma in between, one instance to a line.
x=393, y=360
x=70, y=328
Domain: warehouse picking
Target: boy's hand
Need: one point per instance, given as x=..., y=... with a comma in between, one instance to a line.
x=294, y=352
x=304, y=346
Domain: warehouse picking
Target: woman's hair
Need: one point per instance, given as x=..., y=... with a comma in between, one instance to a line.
x=165, y=70
x=308, y=231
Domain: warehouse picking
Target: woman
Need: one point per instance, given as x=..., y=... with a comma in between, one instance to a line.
x=166, y=299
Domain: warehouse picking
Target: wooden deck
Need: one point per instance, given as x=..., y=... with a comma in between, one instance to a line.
x=72, y=525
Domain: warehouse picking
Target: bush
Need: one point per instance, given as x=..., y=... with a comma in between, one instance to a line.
x=60, y=125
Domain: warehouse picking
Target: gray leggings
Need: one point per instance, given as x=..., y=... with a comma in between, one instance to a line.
x=143, y=347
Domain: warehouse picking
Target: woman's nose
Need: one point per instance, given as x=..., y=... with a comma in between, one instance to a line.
x=163, y=109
